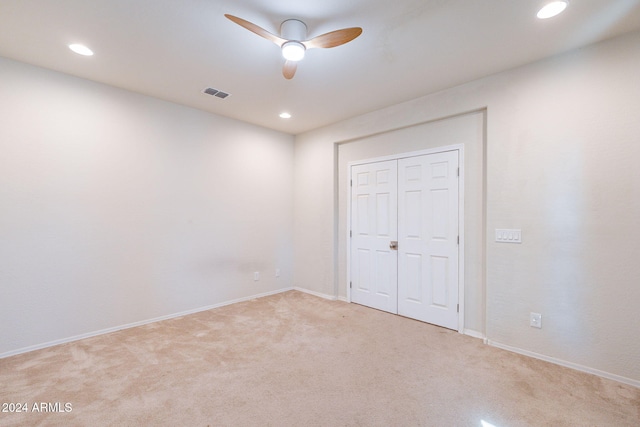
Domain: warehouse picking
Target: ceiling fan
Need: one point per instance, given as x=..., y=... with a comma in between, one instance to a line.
x=293, y=40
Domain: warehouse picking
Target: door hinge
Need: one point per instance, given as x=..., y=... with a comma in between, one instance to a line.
x=350, y=183
x=458, y=171
x=350, y=233
x=458, y=308
x=458, y=239
x=350, y=285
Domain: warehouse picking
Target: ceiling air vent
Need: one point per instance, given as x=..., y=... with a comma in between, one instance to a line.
x=216, y=92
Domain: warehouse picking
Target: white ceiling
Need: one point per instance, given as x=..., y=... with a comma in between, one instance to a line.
x=173, y=49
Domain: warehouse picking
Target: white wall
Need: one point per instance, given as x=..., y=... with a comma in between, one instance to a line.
x=562, y=164
x=117, y=208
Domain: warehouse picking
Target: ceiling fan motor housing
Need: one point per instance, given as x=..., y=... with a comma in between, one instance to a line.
x=293, y=30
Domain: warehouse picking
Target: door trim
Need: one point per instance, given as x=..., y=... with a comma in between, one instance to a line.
x=455, y=147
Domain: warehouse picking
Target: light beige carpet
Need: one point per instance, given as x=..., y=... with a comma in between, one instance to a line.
x=296, y=360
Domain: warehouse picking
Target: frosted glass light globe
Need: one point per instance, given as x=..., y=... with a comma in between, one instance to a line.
x=293, y=51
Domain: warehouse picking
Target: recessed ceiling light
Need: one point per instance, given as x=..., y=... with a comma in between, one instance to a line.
x=285, y=115
x=81, y=49
x=552, y=9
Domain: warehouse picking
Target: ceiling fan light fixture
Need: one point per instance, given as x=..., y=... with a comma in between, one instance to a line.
x=293, y=41
x=552, y=9
x=293, y=51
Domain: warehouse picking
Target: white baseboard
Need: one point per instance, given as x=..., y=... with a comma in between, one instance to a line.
x=135, y=324
x=317, y=294
x=474, y=334
x=603, y=374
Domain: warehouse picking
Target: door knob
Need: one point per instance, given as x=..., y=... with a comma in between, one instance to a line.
x=393, y=245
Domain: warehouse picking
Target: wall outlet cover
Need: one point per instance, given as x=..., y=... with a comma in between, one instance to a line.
x=535, y=320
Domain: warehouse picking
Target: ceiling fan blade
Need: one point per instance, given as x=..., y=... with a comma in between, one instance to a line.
x=334, y=38
x=289, y=69
x=256, y=29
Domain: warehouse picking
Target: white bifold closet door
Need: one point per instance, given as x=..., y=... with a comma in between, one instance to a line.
x=404, y=237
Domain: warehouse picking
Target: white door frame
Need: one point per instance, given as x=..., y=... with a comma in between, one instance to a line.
x=455, y=147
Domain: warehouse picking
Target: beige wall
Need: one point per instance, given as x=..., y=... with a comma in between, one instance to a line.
x=117, y=208
x=563, y=146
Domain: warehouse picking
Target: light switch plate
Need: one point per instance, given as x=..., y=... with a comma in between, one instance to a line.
x=508, y=235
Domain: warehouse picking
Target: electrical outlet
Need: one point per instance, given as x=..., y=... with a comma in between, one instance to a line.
x=535, y=320
x=277, y=272
x=256, y=276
